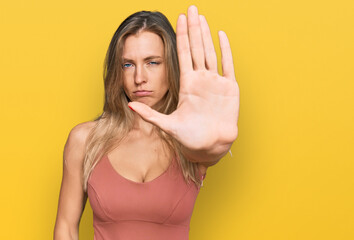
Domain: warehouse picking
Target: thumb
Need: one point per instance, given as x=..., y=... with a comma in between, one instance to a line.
x=152, y=116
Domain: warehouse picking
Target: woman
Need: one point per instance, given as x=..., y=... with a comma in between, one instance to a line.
x=142, y=168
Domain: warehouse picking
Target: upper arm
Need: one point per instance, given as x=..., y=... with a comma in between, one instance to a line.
x=72, y=198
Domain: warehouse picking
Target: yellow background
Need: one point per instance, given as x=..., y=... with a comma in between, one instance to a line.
x=291, y=175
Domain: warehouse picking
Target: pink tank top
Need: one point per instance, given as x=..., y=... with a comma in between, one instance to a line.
x=127, y=210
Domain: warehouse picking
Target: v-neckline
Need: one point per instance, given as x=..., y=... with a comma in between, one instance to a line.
x=134, y=182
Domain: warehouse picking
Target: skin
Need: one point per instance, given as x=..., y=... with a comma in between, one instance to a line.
x=144, y=68
x=205, y=121
x=141, y=156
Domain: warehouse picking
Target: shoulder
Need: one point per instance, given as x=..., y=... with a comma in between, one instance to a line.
x=74, y=150
x=80, y=132
x=203, y=166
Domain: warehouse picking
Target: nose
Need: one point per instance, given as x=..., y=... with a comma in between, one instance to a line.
x=140, y=75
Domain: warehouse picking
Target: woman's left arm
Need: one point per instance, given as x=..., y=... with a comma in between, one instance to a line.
x=205, y=121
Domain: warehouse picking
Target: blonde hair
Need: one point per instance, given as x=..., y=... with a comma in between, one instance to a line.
x=116, y=121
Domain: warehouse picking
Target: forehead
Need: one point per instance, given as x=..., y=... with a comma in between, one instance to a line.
x=143, y=44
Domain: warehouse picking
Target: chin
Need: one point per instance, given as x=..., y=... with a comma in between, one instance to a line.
x=146, y=102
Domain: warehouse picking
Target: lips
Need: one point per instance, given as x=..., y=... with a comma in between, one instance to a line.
x=142, y=93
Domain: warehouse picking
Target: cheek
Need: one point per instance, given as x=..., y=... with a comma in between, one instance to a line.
x=126, y=87
x=164, y=80
x=126, y=81
x=166, y=85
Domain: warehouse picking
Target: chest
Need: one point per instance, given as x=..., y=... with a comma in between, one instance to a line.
x=167, y=199
x=140, y=159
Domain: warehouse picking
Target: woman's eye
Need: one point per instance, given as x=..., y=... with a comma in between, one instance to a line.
x=154, y=63
x=126, y=65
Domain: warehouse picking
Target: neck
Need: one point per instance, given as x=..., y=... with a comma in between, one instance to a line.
x=142, y=127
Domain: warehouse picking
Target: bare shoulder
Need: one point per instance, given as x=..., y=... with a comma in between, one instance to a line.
x=72, y=198
x=74, y=150
x=203, y=166
x=80, y=131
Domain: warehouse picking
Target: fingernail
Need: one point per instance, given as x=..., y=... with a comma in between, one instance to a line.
x=193, y=9
x=131, y=108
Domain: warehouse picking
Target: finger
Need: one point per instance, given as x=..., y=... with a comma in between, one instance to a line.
x=226, y=56
x=183, y=49
x=195, y=38
x=209, y=50
x=152, y=116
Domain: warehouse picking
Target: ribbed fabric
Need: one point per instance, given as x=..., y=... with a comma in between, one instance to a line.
x=160, y=209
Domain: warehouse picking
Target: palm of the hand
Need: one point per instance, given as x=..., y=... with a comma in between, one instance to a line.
x=208, y=106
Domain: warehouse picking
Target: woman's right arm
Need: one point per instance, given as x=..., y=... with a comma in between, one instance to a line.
x=72, y=198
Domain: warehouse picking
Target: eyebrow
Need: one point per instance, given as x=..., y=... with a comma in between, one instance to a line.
x=145, y=59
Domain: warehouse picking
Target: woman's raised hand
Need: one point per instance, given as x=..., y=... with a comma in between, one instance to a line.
x=208, y=107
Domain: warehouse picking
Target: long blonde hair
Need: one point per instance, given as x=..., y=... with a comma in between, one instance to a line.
x=116, y=121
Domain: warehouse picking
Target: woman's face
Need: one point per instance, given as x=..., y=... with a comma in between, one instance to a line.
x=144, y=74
